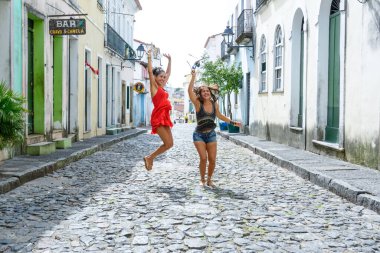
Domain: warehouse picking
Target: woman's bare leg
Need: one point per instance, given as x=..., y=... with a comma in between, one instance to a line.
x=211, y=148
x=201, y=148
x=167, y=138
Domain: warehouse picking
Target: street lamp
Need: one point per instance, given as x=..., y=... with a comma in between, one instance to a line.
x=228, y=35
x=140, y=53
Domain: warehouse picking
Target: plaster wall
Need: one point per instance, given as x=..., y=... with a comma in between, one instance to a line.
x=5, y=42
x=93, y=42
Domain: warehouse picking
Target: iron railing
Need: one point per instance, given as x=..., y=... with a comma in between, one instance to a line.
x=129, y=52
x=260, y=3
x=118, y=45
x=244, y=25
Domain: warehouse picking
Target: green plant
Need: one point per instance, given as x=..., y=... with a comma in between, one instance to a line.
x=212, y=73
x=12, y=121
x=228, y=79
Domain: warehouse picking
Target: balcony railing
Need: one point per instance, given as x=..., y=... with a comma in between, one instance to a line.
x=118, y=45
x=129, y=52
x=260, y=3
x=101, y=5
x=245, y=27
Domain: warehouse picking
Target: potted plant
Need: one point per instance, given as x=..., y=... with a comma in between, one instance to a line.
x=228, y=78
x=223, y=126
x=12, y=119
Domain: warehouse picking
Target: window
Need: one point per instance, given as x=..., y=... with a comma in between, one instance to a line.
x=263, y=65
x=334, y=6
x=100, y=91
x=87, y=91
x=278, y=51
x=128, y=99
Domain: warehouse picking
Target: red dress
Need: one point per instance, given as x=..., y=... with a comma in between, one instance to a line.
x=160, y=114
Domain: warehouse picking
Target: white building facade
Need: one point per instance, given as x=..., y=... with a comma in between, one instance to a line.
x=311, y=81
x=317, y=84
x=240, y=52
x=120, y=60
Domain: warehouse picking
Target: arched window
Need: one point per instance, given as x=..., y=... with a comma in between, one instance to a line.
x=333, y=89
x=263, y=65
x=334, y=6
x=278, y=52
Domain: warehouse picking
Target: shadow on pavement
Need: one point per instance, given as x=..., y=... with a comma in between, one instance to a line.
x=42, y=204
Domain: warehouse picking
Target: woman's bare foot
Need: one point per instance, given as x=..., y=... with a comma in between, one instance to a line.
x=202, y=182
x=148, y=163
x=211, y=184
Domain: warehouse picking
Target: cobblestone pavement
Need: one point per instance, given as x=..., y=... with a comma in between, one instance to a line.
x=107, y=202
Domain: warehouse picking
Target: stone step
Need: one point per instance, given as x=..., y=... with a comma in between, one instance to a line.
x=41, y=148
x=57, y=134
x=72, y=137
x=62, y=143
x=113, y=131
x=125, y=128
x=34, y=138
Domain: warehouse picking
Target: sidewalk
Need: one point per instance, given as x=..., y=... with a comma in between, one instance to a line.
x=21, y=169
x=358, y=184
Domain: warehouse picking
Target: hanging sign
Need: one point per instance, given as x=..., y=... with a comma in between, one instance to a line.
x=67, y=26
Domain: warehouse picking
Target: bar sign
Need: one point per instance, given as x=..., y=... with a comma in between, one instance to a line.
x=67, y=26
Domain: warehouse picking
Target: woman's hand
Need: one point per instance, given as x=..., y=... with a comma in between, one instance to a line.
x=168, y=56
x=235, y=123
x=193, y=74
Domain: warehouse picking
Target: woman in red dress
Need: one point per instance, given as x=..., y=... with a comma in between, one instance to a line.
x=160, y=119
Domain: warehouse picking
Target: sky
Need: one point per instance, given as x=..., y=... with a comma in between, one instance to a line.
x=180, y=28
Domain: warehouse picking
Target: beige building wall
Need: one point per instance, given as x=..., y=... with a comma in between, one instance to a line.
x=93, y=44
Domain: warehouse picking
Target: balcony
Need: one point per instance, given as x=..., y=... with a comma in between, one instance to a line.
x=101, y=5
x=117, y=44
x=260, y=3
x=244, y=27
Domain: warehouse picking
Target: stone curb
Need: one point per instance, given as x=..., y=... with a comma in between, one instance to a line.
x=16, y=180
x=339, y=187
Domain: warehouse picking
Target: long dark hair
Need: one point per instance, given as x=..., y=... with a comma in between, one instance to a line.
x=213, y=93
x=157, y=71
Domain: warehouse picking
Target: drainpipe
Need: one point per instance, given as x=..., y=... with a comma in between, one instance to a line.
x=306, y=31
x=343, y=45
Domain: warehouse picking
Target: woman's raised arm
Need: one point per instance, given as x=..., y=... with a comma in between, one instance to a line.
x=152, y=80
x=190, y=90
x=168, y=68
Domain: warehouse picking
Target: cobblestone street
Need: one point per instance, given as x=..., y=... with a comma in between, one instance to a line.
x=108, y=202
